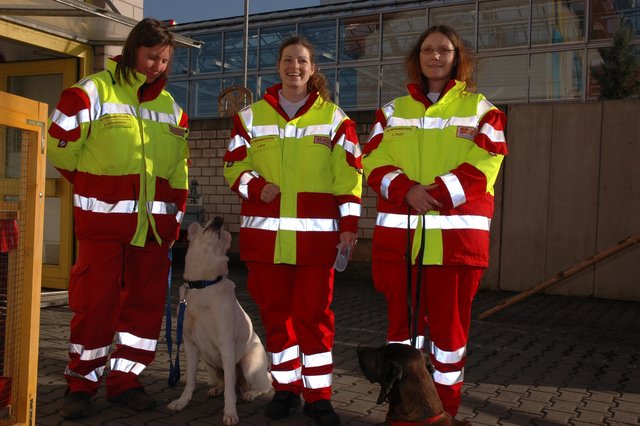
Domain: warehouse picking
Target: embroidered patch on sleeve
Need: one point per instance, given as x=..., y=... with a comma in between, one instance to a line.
x=466, y=132
x=322, y=140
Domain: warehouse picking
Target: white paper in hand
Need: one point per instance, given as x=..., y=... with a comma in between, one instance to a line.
x=342, y=258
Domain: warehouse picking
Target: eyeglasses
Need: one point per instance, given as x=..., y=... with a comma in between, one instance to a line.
x=439, y=51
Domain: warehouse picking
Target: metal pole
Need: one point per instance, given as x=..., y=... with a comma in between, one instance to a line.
x=246, y=40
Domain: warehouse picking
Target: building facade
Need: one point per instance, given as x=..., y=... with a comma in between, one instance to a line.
x=526, y=50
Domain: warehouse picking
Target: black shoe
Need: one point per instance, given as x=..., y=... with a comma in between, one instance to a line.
x=322, y=411
x=135, y=398
x=281, y=404
x=77, y=405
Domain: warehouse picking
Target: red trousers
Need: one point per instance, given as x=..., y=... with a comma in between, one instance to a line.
x=294, y=307
x=117, y=290
x=445, y=309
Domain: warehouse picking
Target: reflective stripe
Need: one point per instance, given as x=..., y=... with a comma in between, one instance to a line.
x=113, y=108
x=92, y=204
x=439, y=123
x=161, y=207
x=454, y=187
x=419, y=342
x=94, y=376
x=245, y=178
x=89, y=86
x=126, y=366
x=134, y=341
x=386, y=182
x=493, y=134
x=350, y=209
x=246, y=114
x=287, y=376
x=349, y=146
x=160, y=117
x=375, y=130
x=317, y=360
x=447, y=357
x=484, y=106
x=237, y=142
x=316, y=382
x=268, y=130
x=291, y=131
x=448, y=379
x=389, y=109
x=394, y=220
x=288, y=354
x=289, y=224
x=69, y=123
x=88, y=354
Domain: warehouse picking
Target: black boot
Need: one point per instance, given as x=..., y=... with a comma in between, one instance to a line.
x=323, y=412
x=77, y=405
x=281, y=404
x=135, y=398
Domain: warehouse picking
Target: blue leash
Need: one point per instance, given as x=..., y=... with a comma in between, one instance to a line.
x=174, y=368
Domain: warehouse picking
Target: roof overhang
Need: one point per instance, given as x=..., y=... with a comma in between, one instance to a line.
x=76, y=20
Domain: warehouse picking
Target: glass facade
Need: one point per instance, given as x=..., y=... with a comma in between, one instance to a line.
x=525, y=50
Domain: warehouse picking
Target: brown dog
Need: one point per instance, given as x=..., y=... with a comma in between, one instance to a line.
x=404, y=375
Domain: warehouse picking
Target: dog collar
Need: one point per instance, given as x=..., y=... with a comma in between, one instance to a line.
x=203, y=284
x=428, y=421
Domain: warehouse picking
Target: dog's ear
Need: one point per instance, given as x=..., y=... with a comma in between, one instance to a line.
x=391, y=372
x=225, y=241
x=427, y=362
x=194, y=229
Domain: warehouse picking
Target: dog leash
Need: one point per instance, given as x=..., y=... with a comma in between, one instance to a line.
x=174, y=369
x=412, y=314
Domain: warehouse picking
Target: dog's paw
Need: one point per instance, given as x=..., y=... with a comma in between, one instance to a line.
x=216, y=390
x=177, y=405
x=230, y=418
x=250, y=395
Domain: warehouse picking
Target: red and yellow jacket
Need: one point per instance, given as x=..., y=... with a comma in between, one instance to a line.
x=125, y=150
x=457, y=143
x=315, y=160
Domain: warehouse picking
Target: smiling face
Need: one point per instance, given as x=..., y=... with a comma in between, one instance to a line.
x=153, y=61
x=295, y=69
x=437, y=56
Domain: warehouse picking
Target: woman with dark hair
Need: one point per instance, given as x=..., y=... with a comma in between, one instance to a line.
x=294, y=159
x=433, y=157
x=120, y=138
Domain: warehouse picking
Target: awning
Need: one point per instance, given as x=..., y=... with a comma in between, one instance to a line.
x=76, y=20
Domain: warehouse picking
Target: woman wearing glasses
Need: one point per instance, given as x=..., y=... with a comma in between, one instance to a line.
x=433, y=157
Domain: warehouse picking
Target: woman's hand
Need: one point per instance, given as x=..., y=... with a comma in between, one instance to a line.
x=348, y=238
x=269, y=192
x=420, y=200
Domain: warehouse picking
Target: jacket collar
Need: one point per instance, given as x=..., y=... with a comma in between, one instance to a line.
x=145, y=92
x=272, y=98
x=416, y=92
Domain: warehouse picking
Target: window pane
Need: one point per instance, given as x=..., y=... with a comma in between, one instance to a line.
x=503, y=78
x=393, y=82
x=204, y=96
x=400, y=31
x=503, y=23
x=462, y=18
x=234, y=50
x=557, y=21
x=606, y=15
x=209, y=57
x=330, y=75
x=359, y=38
x=556, y=75
x=358, y=88
x=180, y=61
x=595, y=60
x=323, y=37
x=270, y=40
x=265, y=81
x=179, y=91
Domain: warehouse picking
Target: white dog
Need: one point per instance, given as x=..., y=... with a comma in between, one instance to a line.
x=216, y=328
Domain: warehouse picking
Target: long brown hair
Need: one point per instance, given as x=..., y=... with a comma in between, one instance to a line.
x=462, y=69
x=317, y=82
x=148, y=33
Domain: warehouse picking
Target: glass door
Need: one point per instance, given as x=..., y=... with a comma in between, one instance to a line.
x=43, y=81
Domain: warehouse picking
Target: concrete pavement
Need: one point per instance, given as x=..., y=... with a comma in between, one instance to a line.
x=549, y=360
